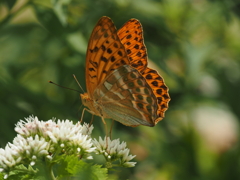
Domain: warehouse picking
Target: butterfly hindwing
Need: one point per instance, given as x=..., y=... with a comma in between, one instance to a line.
x=131, y=36
x=126, y=97
x=160, y=90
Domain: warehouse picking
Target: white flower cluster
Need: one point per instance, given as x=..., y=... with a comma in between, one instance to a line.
x=43, y=138
x=114, y=150
x=20, y=149
x=47, y=139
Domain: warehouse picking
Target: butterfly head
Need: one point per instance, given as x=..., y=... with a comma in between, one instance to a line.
x=88, y=102
x=85, y=99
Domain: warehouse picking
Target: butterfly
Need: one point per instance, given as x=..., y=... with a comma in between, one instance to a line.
x=119, y=84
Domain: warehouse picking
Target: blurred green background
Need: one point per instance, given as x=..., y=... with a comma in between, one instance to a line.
x=194, y=43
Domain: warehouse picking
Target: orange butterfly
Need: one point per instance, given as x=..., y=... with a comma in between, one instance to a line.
x=120, y=86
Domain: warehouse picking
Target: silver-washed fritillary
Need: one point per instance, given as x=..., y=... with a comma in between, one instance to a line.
x=120, y=86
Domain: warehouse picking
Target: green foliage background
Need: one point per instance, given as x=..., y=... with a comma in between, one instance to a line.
x=195, y=45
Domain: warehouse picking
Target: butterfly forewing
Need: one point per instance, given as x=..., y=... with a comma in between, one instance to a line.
x=131, y=36
x=105, y=53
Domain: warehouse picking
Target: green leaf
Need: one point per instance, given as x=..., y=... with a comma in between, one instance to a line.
x=101, y=173
x=60, y=8
x=72, y=166
x=62, y=164
x=49, y=19
x=10, y=3
x=1, y=176
x=21, y=172
x=91, y=172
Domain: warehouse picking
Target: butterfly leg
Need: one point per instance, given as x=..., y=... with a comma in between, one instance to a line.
x=106, y=130
x=85, y=109
x=105, y=125
x=82, y=115
x=91, y=122
x=79, y=111
x=110, y=132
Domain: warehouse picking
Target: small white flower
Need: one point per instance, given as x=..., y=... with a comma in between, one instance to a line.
x=129, y=164
x=5, y=176
x=114, y=150
x=34, y=157
x=26, y=128
x=49, y=157
x=36, y=146
x=89, y=157
x=7, y=158
x=86, y=129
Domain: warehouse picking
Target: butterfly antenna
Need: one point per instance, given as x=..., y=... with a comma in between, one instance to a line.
x=78, y=83
x=63, y=86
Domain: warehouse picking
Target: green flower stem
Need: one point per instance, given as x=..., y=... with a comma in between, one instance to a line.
x=49, y=171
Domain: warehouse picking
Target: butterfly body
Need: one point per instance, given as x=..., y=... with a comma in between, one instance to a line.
x=120, y=86
x=94, y=106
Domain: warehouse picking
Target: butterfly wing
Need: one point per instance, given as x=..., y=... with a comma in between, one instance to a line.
x=105, y=53
x=118, y=80
x=131, y=36
x=159, y=89
x=126, y=97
